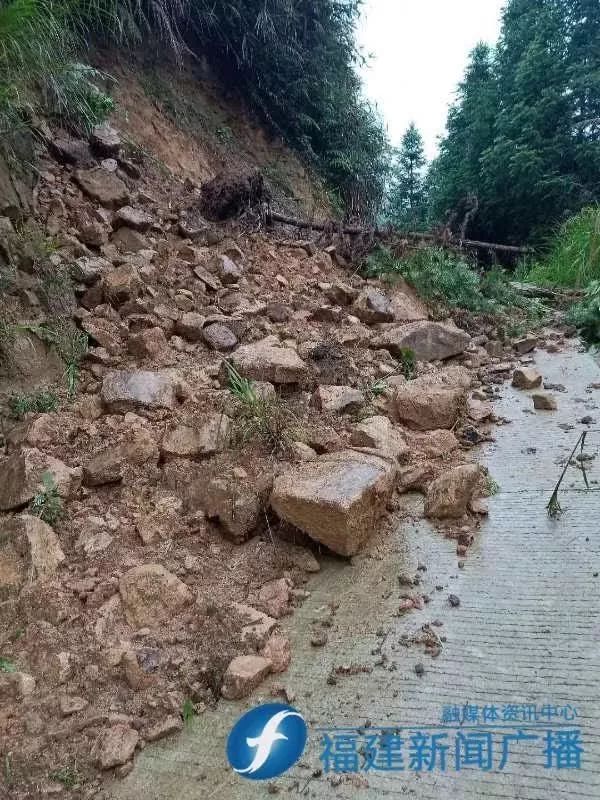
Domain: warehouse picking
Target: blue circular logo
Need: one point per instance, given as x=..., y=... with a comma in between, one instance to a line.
x=266, y=741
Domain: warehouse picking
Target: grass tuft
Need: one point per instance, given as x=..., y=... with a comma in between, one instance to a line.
x=39, y=402
x=258, y=416
x=574, y=257
x=47, y=504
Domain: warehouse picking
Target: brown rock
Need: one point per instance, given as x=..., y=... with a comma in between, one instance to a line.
x=274, y=597
x=52, y=428
x=340, y=294
x=127, y=391
x=264, y=362
x=103, y=187
x=151, y=595
x=433, y=444
x=16, y=685
x=166, y=727
x=227, y=270
x=234, y=504
x=406, y=304
x=258, y=626
x=105, y=467
x=279, y=652
x=219, y=337
x=121, y=284
x=115, y=746
x=544, y=402
x=526, y=378
x=188, y=442
x=29, y=550
x=278, y=312
x=128, y=240
x=21, y=477
x=427, y=407
x=190, y=326
x=337, y=500
x=150, y=343
x=373, y=306
x=105, y=141
x=379, y=433
x=429, y=341
x=244, y=674
x=105, y=333
x=525, y=345
x=133, y=218
x=450, y=494
x=333, y=399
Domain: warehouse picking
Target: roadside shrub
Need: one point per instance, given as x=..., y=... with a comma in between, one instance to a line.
x=585, y=315
x=573, y=259
x=449, y=280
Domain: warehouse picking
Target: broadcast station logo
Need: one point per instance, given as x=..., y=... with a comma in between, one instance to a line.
x=266, y=741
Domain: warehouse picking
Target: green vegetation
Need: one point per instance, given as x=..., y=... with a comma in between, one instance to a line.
x=41, y=401
x=259, y=416
x=6, y=665
x=68, y=776
x=585, y=315
x=188, y=710
x=523, y=138
x=449, y=281
x=47, y=504
x=409, y=363
x=574, y=256
x=69, y=343
x=405, y=198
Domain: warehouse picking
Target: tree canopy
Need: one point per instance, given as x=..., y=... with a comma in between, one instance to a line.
x=405, y=202
x=523, y=136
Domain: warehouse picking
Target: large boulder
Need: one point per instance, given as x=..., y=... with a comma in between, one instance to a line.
x=337, y=500
x=429, y=341
x=29, y=550
x=427, y=408
x=21, y=477
x=103, y=187
x=450, y=494
x=373, y=306
x=406, y=304
x=526, y=378
x=130, y=390
x=261, y=361
x=152, y=595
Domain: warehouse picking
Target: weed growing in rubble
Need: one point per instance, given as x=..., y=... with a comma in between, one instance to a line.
x=68, y=776
x=378, y=387
x=258, y=416
x=409, y=363
x=188, y=710
x=47, y=504
x=39, y=402
x=69, y=343
x=492, y=487
x=6, y=665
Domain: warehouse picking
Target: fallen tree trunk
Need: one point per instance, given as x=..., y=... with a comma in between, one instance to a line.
x=274, y=216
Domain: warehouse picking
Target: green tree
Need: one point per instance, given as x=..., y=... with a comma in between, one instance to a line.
x=406, y=205
x=455, y=177
x=524, y=134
